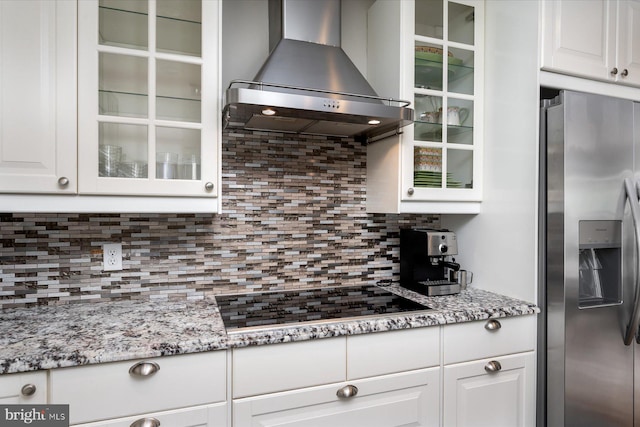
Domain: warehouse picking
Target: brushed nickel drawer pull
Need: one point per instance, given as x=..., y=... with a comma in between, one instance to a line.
x=492, y=325
x=146, y=422
x=144, y=369
x=347, y=391
x=493, y=366
x=28, y=390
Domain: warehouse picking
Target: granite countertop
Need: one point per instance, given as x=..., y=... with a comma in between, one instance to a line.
x=60, y=336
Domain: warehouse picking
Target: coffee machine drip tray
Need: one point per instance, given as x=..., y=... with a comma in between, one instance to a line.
x=434, y=288
x=281, y=308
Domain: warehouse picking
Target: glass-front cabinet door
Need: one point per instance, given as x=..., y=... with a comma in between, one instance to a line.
x=442, y=151
x=148, y=97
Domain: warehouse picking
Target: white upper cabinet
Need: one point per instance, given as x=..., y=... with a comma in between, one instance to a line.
x=597, y=39
x=110, y=98
x=431, y=53
x=629, y=42
x=148, y=97
x=37, y=97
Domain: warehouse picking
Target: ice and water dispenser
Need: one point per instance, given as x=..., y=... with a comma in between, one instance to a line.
x=600, y=263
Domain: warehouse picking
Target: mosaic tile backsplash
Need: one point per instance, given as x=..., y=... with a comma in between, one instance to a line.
x=293, y=217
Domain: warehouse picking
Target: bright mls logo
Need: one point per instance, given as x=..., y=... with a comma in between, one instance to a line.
x=34, y=415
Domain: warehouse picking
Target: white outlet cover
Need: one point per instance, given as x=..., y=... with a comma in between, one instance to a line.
x=112, y=257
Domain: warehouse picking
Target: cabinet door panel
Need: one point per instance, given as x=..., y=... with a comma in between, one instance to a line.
x=11, y=387
x=156, y=100
x=407, y=399
x=579, y=37
x=37, y=96
x=629, y=42
x=475, y=398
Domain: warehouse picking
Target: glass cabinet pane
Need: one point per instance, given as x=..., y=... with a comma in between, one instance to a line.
x=122, y=83
x=177, y=153
x=178, y=91
x=427, y=163
x=179, y=27
x=460, y=121
x=428, y=123
x=125, y=85
x=461, y=71
x=428, y=66
x=429, y=18
x=461, y=23
x=122, y=150
x=459, y=168
x=123, y=23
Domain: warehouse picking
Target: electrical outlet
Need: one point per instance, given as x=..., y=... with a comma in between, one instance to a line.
x=112, y=257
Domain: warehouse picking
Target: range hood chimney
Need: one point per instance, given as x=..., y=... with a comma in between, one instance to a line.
x=308, y=84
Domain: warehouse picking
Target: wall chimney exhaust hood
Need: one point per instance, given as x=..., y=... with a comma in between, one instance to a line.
x=308, y=84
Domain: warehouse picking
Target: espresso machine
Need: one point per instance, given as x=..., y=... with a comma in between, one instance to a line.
x=426, y=262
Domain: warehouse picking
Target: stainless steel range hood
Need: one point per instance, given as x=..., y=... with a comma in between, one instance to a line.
x=308, y=84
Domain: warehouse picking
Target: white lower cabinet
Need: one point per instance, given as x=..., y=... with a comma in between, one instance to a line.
x=476, y=374
x=409, y=398
x=382, y=379
x=23, y=388
x=496, y=392
x=489, y=373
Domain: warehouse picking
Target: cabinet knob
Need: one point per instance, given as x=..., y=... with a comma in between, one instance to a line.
x=28, y=390
x=208, y=186
x=347, y=391
x=492, y=325
x=63, y=181
x=410, y=191
x=624, y=73
x=614, y=71
x=144, y=369
x=493, y=366
x=146, y=422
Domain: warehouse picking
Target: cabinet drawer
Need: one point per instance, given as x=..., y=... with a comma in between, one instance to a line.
x=405, y=399
x=474, y=340
x=202, y=416
x=23, y=388
x=105, y=391
x=270, y=368
x=396, y=351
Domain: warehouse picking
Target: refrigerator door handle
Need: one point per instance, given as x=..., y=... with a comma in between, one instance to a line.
x=632, y=190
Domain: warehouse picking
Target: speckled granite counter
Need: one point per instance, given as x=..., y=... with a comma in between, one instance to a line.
x=61, y=336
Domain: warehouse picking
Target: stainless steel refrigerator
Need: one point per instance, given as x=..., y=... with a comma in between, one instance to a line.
x=589, y=356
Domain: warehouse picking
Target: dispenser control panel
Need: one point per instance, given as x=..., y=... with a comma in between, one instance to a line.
x=441, y=243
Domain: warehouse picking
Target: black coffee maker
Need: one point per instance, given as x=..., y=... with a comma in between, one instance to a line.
x=426, y=265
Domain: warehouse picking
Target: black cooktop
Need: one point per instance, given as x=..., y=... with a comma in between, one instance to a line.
x=272, y=308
